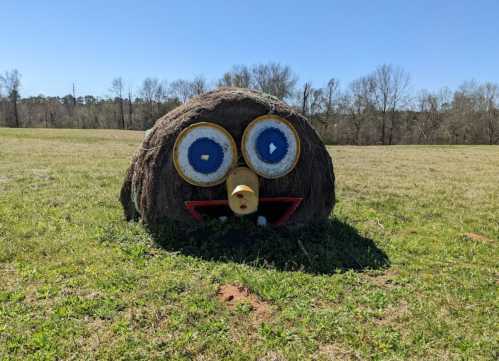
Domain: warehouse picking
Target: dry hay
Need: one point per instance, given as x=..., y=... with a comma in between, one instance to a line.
x=153, y=190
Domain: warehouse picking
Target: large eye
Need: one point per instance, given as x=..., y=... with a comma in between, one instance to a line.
x=204, y=153
x=271, y=146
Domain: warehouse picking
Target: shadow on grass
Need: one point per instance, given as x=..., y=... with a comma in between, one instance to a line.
x=320, y=249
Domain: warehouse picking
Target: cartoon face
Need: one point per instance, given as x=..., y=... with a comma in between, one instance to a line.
x=205, y=154
x=231, y=153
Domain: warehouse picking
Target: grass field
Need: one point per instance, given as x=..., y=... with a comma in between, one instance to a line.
x=78, y=282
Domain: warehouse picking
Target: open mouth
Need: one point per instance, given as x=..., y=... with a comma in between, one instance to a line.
x=275, y=210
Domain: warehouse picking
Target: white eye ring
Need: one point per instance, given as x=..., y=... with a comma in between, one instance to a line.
x=271, y=146
x=204, y=153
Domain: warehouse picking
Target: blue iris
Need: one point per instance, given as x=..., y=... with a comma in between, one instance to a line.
x=272, y=145
x=205, y=155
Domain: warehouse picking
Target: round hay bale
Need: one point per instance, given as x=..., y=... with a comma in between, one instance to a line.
x=289, y=180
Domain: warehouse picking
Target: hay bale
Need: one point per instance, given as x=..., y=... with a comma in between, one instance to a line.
x=154, y=191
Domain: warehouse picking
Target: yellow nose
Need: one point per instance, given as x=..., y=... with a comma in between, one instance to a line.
x=242, y=191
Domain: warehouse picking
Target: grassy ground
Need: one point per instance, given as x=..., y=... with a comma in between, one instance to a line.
x=419, y=280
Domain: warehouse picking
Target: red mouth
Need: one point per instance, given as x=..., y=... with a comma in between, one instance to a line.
x=276, y=210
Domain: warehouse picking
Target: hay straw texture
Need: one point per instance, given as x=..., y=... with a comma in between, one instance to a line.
x=154, y=191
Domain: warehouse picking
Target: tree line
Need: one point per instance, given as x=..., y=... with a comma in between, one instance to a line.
x=377, y=108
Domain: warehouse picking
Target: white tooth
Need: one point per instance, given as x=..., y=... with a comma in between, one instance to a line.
x=272, y=148
x=261, y=221
x=222, y=219
x=205, y=157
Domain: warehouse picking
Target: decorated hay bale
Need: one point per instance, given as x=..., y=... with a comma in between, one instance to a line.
x=230, y=153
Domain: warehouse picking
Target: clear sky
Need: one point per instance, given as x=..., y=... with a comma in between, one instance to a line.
x=55, y=43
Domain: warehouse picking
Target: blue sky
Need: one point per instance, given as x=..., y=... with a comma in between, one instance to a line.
x=55, y=43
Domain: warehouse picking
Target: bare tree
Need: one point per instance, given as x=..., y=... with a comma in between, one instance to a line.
x=148, y=88
x=316, y=102
x=74, y=95
x=305, y=94
x=464, y=104
x=160, y=92
x=274, y=78
x=181, y=89
x=362, y=103
x=117, y=87
x=429, y=116
x=488, y=96
x=130, y=107
x=372, y=109
x=310, y=101
x=271, y=78
x=1, y=103
x=149, y=93
x=198, y=85
x=331, y=91
x=391, y=84
x=73, y=106
x=238, y=76
x=11, y=81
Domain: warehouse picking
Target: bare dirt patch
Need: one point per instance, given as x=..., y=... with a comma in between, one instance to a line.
x=97, y=334
x=384, y=280
x=478, y=237
x=272, y=356
x=234, y=295
x=393, y=314
x=335, y=352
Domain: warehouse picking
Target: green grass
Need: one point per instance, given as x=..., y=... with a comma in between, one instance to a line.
x=392, y=277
